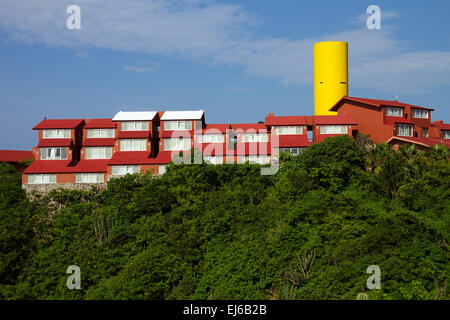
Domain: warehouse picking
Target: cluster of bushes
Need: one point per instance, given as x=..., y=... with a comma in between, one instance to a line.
x=228, y=232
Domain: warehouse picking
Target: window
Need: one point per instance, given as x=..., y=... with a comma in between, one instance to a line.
x=177, y=144
x=404, y=130
x=98, y=152
x=162, y=168
x=423, y=114
x=133, y=145
x=213, y=159
x=254, y=159
x=89, y=177
x=134, y=126
x=41, y=178
x=282, y=130
x=293, y=151
x=446, y=134
x=177, y=125
x=56, y=134
x=395, y=112
x=53, y=153
x=211, y=138
x=425, y=132
x=123, y=170
x=334, y=129
x=100, y=133
x=254, y=137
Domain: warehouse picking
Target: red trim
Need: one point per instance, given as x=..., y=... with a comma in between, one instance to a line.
x=133, y=135
x=349, y=120
x=98, y=142
x=377, y=103
x=285, y=120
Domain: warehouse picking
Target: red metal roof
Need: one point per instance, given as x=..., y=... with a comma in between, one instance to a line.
x=334, y=120
x=98, y=142
x=55, y=143
x=58, y=124
x=99, y=123
x=63, y=166
x=293, y=141
x=140, y=157
x=249, y=126
x=441, y=126
x=133, y=135
x=421, y=141
x=15, y=155
x=215, y=128
x=377, y=103
x=285, y=120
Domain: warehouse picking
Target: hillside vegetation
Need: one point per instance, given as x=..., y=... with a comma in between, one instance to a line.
x=228, y=232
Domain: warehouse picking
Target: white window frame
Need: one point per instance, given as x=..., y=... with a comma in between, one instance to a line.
x=52, y=153
x=133, y=144
x=177, y=144
x=162, y=169
x=334, y=129
x=420, y=114
x=254, y=137
x=98, y=152
x=260, y=159
x=134, y=126
x=90, y=177
x=211, y=138
x=177, y=125
x=401, y=129
x=56, y=134
x=100, y=133
x=121, y=170
x=213, y=159
x=288, y=130
x=293, y=151
x=393, y=111
x=41, y=178
x=446, y=134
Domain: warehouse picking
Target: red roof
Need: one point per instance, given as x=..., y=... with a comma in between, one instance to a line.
x=215, y=128
x=63, y=166
x=441, y=126
x=99, y=123
x=14, y=155
x=393, y=120
x=285, y=120
x=55, y=143
x=140, y=157
x=334, y=120
x=98, y=142
x=293, y=141
x=176, y=134
x=249, y=126
x=377, y=103
x=133, y=135
x=426, y=142
x=58, y=124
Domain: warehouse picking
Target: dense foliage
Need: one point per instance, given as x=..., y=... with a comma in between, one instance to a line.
x=228, y=232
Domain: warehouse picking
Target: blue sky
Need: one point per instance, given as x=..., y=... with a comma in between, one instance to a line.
x=237, y=60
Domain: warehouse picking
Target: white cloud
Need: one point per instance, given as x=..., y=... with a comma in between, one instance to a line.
x=212, y=33
x=146, y=68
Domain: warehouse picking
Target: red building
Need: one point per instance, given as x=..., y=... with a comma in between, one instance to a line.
x=78, y=151
x=15, y=157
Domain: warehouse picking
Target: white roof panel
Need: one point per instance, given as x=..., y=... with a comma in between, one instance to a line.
x=134, y=115
x=182, y=115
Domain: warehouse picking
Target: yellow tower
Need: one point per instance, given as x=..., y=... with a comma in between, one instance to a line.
x=330, y=75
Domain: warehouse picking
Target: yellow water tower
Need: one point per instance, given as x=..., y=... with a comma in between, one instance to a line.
x=330, y=75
